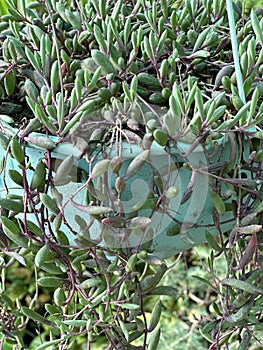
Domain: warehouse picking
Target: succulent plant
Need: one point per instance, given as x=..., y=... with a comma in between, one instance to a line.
x=103, y=76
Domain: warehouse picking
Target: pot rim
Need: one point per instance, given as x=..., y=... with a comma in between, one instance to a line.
x=127, y=148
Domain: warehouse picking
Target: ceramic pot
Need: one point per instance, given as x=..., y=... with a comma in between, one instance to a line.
x=161, y=223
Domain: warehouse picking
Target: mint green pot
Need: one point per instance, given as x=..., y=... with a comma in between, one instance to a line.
x=175, y=228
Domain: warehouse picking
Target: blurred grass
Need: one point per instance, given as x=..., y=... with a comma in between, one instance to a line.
x=189, y=309
x=4, y=6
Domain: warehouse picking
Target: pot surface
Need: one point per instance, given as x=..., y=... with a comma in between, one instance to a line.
x=155, y=221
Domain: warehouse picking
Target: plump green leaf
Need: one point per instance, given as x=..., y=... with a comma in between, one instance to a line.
x=50, y=281
x=92, y=209
x=242, y=285
x=130, y=306
x=35, y=316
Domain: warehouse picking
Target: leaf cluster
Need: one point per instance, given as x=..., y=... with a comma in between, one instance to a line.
x=98, y=74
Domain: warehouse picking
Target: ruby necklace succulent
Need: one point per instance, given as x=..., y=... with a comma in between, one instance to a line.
x=141, y=114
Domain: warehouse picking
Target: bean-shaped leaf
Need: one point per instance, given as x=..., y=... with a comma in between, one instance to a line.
x=36, y=316
x=246, y=287
x=73, y=18
x=254, y=103
x=48, y=344
x=54, y=76
x=11, y=232
x=17, y=151
x=100, y=168
x=114, y=221
x=250, y=229
x=150, y=282
x=154, y=339
x=156, y=315
x=4, y=141
x=12, y=205
x=218, y=202
x=137, y=164
x=172, y=123
x=201, y=38
x=32, y=59
x=39, y=176
x=31, y=90
x=103, y=61
x=43, y=255
x=138, y=222
x=248, y=253
x=100, y=38
x=256, y=27
x=41, y=141
x=130, y=306
x=49, y=203
x=43, y=118
x=50, y=281
x=63, y=170
x=16, y=176
x=164, y=290
x=17, y=257
x=92, y=209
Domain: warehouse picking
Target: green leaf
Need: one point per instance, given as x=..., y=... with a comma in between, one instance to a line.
x=10, y=82
x=44, y=119
x=246, y=287
x=100, y=37
x=16, y=176
x=12, y=231
x=130, y=306
x=205, y=281
x=73, y=18
x=48, y=344
x=17, y=257
x=218, y=202
x=256, y=27
x=124, y=330
x=154, y=339
x=100, y=168
x=207, y=329
x=92, y=209
x=64, y=170
x=211, y=241
x=49, y=203
x=136, y=164
x=50, y=281
x=17, y=151
x=32, y=59
x=12, y=205
x=103, y=61
x=76, y=323
x=218, y=112
x=156, y=315
x=254, y=103
x=41, y=141
x=35, y=316
x=43, y=255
